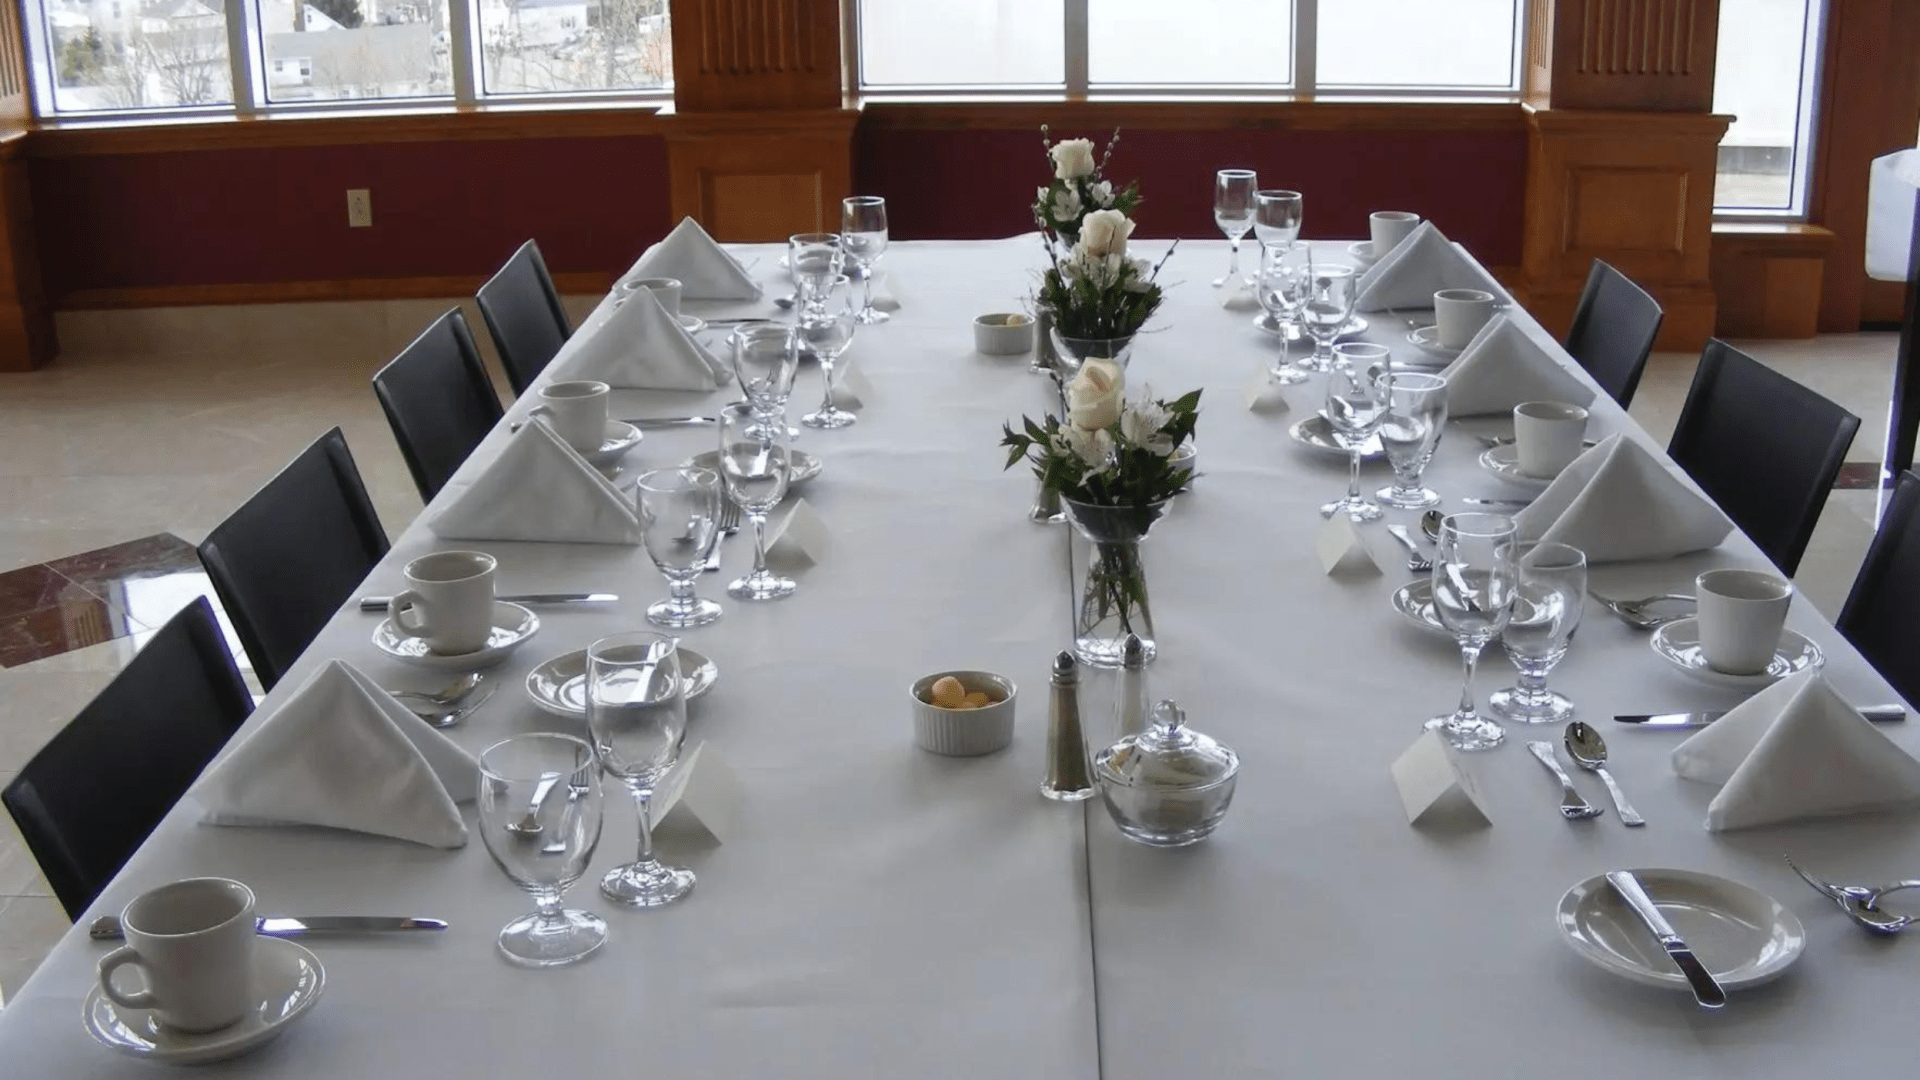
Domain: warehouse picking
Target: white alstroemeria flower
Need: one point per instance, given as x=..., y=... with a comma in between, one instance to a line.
x=1040, y=195
x=1072, y=158
x=1066, y=206
x=1102, y=193
x=1093, y=448
x=1105, y=232
x=1141, y=424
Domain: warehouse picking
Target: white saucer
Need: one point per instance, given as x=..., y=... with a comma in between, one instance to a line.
x=287, y=981
x=512, y=624
x=1414, y=601
x=621, y=437
x=1427, y=340
x=1270, y=325
x=559, y=686
x=692, y=324
x=1316, y=434
x=1362, y=253
x=1504, y=462
x=1741, y=935
x=1678, y=643
x=805, y=466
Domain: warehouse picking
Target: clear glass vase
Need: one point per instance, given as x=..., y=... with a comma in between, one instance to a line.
x=1071, y=352
x=1110, y=582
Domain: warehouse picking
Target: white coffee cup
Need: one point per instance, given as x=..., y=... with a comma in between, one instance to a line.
x=1458, y=314
x=1741, y=615
x=664, y=289
x=193, y=941
x=1547, y=436
x=448, y=601
x=576, y=411
x=1388, y=227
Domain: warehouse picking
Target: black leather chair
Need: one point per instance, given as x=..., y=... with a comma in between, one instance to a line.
x=92, y=795
x=524, y=315
x=1882, y=613
x=1762, y=446
x=291, y=555
x=1613, y=331
x=439, y=400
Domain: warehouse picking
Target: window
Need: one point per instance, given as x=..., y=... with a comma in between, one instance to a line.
x=571, y=46
x=359, y=49
x=998, y=43
x=1765, y=76
x=108, y=57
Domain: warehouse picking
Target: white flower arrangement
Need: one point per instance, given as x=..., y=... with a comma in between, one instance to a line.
x=1078, y=190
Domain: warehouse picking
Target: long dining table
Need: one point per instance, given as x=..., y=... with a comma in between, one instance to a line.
x=881, y=911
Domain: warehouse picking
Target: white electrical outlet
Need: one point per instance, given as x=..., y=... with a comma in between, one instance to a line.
x=359, y=208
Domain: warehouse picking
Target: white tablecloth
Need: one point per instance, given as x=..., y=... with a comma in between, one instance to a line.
x=888, y=913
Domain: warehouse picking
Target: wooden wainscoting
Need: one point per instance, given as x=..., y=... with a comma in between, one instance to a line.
x=751, y=177
x=1766, y=278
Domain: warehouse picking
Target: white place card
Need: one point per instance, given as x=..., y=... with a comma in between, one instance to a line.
x=799, y=540
x=1343, y=549
x=1433, y=786
x=1239, y=296
x=851, y=390
x=1263, y=395
x=700, y=797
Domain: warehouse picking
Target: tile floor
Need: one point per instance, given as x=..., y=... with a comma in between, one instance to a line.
x=156, y=423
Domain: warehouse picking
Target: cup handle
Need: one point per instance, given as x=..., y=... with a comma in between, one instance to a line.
x=541, y=411
x=112, y=962
x=407, y=607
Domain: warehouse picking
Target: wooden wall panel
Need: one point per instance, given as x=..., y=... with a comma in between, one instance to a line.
x=747, y=184
x=1656, y=55
x=1766, y=279
x=756, y=54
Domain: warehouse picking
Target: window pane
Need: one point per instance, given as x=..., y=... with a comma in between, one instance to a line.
x=565, y=46
x=125, y=54
x=1455, y=44
x=1759, y=78
x=1204, y=42
x=962, y=42
x=326, y=50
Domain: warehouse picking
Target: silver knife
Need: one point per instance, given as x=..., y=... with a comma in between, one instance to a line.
x=1879, y=714
x=107, y=927
x=380, y=603
x=648, y=423
x=1705, y=990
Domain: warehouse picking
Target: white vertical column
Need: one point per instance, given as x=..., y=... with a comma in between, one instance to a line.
x=1306, y=22
x=463, y=36
x=1076, y=46
x=245, y=56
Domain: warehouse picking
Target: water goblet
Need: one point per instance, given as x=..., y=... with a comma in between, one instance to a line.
x=1233, y=212
x=1416, y=411
x=1279, y=290
x=1277, y=215
x=1356, y=403
x=637, y=717
x=863, y=236
x=766, y=356
x=539, y=816
x=755, y=465
x=1330, y=290
x=679, y=513
x=1549, y=592
x=825, y=334
x=1473, y=586
x=814, y=260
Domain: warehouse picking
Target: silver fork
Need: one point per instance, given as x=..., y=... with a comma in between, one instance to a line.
x=1572, y=806
x=728, y=524
x=1860, y=902
x=1417, y=560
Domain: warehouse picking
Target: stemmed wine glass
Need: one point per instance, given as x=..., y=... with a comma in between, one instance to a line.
x=766, y=356
x=637, y=716
x=1550, y=591
x=1357, y=393
x=1327, y=305
x=814, y=260
x=826, y=333
x=1416, y=411
x=863, y=236
x=1279, y=291
x=1277, y=215
x=679, y=514
x=1473, y=586
x=755, y=464
x=539, y=816
x=1233, y=212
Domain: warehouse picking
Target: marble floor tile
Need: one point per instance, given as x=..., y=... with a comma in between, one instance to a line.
x=79, y=621
x=29, y=928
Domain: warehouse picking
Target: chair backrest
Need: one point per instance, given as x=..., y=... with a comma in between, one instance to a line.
x=1762, y=446
x=94, y=793
x=1882, y=613
x=524, y=315
x=290, y=556
x=1613, y=331
x=439, y=400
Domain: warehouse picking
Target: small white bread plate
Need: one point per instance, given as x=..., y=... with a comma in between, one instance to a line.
x=559, y=685
x=621, y=437
x=1678, y=643
x=287, y=980
x=1742, y=935
x=512, y=625
x=1504, y=462
x=805, y=466
x=1316, y=433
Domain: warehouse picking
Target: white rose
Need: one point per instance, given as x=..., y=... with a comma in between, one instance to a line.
x=1095, y=395
x=1105, y=232
x=1102, y=193
x=1072, y=158
x=1066, y=206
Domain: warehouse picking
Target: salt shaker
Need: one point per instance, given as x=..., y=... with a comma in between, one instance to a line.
x=1133, y=686
x=1069, y=778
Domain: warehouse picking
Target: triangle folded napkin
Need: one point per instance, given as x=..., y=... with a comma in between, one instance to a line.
x=703, y=268
x=1797, y=750
x=638, y=346
x=343, y=754
x=1419, y=266
x=1617, y=502
x=1503, y=367
x=537, y=489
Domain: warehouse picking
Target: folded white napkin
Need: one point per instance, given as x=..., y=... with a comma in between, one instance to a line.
x=1797, y=750
x=537, y=489
x=342, y=753
x=1419, y=266
x=1503, y=367
x=641, y=347
x=1617, y=502
x=704, y=269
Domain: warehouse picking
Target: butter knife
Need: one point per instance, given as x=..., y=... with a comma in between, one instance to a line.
x=1705, y=990
x=107, y=927
x=648, y=423
x=1879, y=714
x=380, y=603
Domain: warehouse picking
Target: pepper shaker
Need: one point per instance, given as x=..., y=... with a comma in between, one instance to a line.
x=1069, y=776
x=1133, y=686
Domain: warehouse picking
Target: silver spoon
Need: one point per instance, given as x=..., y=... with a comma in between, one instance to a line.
x=450, y=697
x=1589, y=751
x=453, y=716
x=784, y=303
x=1430, y=524
x=529, y=826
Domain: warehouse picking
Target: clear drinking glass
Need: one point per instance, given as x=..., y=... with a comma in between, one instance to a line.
x=1233, y=212
x=1473, y=586
x=1416, y=411
x=825, y=333
x=863, y=236
x=766, y=356
x=754, y=463
x=1356, y=403
x=1550, y=590
x=814, y=260
x=637, y=716
x=1277, y=215
x=1330, y=290
x=539, y=816
x=679, y=513
x=1280, y=276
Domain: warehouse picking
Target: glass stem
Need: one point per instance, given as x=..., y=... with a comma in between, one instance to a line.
x=759, y=545
x=680, y=593
x=547, y=903
x=1533, y=684
x=826, y=396
x=641, y=798
x=1353, y=472
x=1469, y=660
x=1233, y=257
x=867, y=305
